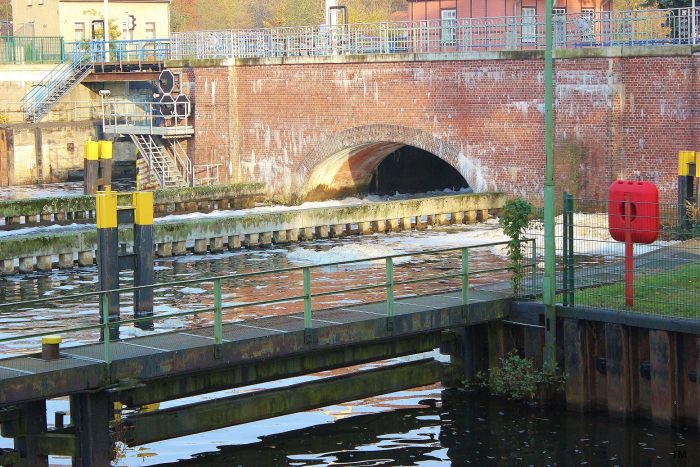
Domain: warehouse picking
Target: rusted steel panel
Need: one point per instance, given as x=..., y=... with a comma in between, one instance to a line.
x=210, y=415
x=687, y=362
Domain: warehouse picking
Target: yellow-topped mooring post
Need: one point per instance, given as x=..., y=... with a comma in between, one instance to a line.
x=91, y=166
x=144, y=256
x=105, y=175
x=108, y=254
x=688, y=171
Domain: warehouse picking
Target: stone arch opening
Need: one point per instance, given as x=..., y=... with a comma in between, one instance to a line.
x=413, y=170
x=350, y=162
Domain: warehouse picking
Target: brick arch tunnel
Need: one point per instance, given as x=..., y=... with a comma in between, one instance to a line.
x=385, y=159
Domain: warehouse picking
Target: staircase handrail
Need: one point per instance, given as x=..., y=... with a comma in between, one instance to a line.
x=184, y=162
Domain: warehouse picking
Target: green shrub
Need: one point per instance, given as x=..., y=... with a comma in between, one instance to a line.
x=517, y=378
x=514, y=218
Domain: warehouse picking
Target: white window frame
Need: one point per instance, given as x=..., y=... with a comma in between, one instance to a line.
x=528, y=20
x=76, y=29
x=448, y=26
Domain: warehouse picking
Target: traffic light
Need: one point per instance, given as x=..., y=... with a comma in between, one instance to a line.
x=131, y=22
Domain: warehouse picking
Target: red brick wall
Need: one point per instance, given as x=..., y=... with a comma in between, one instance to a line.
x=615, y=117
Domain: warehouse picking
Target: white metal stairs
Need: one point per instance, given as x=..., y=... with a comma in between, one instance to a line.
x=41, y=98
x=170, y=168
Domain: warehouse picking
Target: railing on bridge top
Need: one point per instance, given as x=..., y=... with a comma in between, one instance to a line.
x=20, y=49
x=572, y=30
x=211, y=311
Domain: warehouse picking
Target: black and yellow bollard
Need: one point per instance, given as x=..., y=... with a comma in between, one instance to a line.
x=688, y=162
x=92, y=167
x=105, y=175
x=108, y=253
x=144, y=255
x=50, y=347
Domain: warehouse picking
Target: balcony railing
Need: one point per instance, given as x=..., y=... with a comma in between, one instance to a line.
x=599, y=29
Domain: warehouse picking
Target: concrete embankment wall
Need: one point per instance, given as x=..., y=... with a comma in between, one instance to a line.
x=215, y=233
x=167, y=201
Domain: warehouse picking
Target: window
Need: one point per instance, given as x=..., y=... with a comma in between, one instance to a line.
x=41, y=2
x=559, y=26
x=448, y=24
x=585, y=24
x=79, y=32
x=29, y=2
x=150, y=30
x=529, y=24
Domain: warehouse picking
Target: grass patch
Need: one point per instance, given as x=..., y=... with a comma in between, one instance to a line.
x=675, y=292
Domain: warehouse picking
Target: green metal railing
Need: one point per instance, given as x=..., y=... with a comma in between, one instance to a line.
x=592, y=265
x=107, y=326
x=18, y=49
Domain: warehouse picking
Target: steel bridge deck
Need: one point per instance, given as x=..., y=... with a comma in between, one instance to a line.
x=158, y=356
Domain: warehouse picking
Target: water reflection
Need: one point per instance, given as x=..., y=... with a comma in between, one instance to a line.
x=465, y=429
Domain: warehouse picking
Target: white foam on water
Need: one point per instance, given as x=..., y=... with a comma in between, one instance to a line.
x=348, y=252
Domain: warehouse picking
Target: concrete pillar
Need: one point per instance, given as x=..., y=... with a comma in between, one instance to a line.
x=293, y=235
x=441, y=219
x=222, y=204
x=470, y=217
x=216, y=244
x=266, y=239
x=45, y=218
x=393, y=225
x=420, y=224
x=482, y=215
x=337, y=230
x=365, y=228
x=457, y=218
x=200, y=246
x=322, y=231
x=60, y=216
x=80, y=215
x=179, y=248
x=165, y=250
x=252, y=240
x=379, y=226
x=65, y=260
x=26, y=264
x=8, y=266
x=86, y=258
x=234, y=242
x=279, y=237
x=406, y=223
x=191, y=206
x=14, y=220
x=43, y=263
x=307, y=234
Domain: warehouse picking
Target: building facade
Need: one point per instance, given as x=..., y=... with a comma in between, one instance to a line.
x=74, y=19
x=452, y=9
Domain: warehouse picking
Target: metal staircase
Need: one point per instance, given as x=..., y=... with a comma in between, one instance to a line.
x=169, y=170
x=39, y=100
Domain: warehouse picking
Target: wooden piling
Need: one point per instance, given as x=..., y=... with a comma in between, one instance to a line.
x=579, y=365
x=618, y=370
x=90, y=416
x=664, y=377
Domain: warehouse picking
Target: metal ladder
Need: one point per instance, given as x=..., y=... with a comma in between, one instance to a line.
x=160, y=163
x=41, y=98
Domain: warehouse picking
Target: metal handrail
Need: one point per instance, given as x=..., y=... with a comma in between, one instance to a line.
x=307, y=296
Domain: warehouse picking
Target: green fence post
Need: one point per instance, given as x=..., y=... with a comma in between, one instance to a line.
x=307, y=298
x=534, y=269
x=465, y=276
x=218, y=318
x=565, y=249
x=570, y=261
x=390, y=287
x=104, y=305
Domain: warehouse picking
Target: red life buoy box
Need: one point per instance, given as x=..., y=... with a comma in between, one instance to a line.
x=633, y=206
